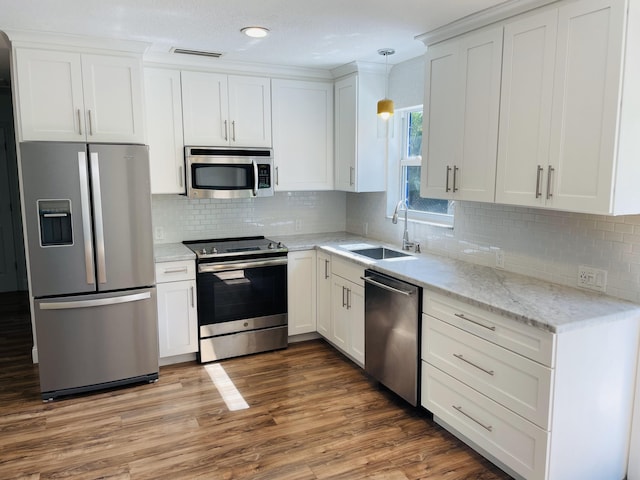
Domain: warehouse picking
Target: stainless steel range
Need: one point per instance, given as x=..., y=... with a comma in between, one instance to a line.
x=242, y=296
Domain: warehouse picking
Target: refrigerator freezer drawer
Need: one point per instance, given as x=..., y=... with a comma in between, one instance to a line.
x=94, y=341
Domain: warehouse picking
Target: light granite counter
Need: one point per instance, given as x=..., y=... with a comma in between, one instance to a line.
x=545, y=305
x=171, y=252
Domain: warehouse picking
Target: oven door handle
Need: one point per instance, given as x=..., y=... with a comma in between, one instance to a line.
x=240, y=265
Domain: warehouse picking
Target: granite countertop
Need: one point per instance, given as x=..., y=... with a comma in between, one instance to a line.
x=171, y=252
x=551, y=307
x=545, y=305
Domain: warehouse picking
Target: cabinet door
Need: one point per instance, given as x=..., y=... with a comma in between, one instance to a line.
x=49, y=95
x=478, y=109
x=164, y=130
x=346, y=94
x=205, y=109
x=250, y=111
x=440, y=151
x=301, y=280
x=177, y=318
x=525, y=109
x=113, y=98
x=339, y=315
x=585, y=110
x=303, y=135
x=323, y=289
x=355, y=310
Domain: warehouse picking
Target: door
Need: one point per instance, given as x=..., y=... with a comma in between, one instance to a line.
x=439, y=152
x=122, y=221
x=584, y=123
x=49, y=95
x=8, y=266
x=205, y=109
x=113, y=98
x=525, y=109
x=249, y=111
x=93, y=339
x=55, y=187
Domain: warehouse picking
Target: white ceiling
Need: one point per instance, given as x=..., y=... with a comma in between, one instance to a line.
x=319, y=34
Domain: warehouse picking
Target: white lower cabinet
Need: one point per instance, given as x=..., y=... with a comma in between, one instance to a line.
x=538, y=404
x=347, y=308
x=301, y=292
x=323, y=292
x=177, y=308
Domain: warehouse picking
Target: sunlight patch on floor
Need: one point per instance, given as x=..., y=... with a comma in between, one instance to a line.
x=225, y=386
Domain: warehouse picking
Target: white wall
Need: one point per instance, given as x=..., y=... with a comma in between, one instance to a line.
x=540, y=243
x=285, y=213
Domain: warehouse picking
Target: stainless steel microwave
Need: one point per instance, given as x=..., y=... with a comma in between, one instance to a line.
x=218, y=172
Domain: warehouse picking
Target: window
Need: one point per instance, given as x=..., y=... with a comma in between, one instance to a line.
x=425, y=209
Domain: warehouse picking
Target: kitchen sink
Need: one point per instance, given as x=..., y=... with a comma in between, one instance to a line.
x=380, y=253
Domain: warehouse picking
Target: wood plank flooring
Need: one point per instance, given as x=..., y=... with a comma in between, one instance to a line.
x=312, y=415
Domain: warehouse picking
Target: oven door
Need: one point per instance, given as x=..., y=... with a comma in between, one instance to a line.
x=242, y=295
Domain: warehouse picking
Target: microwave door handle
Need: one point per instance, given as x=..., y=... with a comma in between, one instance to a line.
x=255, y=178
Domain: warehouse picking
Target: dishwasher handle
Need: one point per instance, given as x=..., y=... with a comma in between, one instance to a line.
x=386, y=287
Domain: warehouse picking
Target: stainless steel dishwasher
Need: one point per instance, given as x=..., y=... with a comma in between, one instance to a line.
x=392, y=310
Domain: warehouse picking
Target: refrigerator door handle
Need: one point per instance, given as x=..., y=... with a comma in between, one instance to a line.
x=100, y=302
x=97, y=217
x=86, y=217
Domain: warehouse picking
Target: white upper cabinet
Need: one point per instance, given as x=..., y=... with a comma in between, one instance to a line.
x=584, y=120
x=360, y=150
x=462, y=97
x=68, y=96
x=302, y=134
x=568, y=111
x=560, y=111
x=226, y=110
x=525, y=108
x=164, y=129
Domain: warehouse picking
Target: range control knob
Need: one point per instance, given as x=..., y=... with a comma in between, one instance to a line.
x=214, y=250
x=203, y=251
x=280, y=245
x=271, y=246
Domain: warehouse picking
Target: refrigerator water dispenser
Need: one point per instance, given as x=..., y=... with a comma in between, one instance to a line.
x=55, y=222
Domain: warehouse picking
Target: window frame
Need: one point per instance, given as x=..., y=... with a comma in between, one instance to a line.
x=432, y=218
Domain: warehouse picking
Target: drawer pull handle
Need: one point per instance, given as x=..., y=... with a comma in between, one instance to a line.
x=488, y=327
x=486, y=427
x=460, y=357
x=176, y=270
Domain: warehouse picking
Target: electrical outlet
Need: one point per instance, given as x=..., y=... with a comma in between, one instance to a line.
x=592, y=278
x=298, y=225
x=499, y=259
x=365, y=229
x=158, y=233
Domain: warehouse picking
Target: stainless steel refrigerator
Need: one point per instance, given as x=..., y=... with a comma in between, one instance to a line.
x=90, y=250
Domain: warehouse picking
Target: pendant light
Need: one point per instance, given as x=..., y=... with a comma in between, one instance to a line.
x=385, y=106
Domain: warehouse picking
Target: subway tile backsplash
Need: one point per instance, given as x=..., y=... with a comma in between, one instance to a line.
x=545, y=244
x=177, y=218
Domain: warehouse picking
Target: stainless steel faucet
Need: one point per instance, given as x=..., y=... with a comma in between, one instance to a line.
x=406, y=244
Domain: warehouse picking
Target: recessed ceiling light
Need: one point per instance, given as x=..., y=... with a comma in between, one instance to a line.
x=255, y=32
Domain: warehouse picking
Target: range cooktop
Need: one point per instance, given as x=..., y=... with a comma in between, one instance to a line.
x=222, y=247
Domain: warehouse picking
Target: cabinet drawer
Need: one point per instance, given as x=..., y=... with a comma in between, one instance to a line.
x=175, y=271
x=518, y=383
x=517, y=443
x=348, y=270
x=516, y=336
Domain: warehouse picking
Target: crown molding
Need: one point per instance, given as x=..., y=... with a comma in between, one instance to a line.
x=49, y=40
x=481, y=19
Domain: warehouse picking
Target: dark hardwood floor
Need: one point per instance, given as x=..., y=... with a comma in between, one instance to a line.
x=312, y=415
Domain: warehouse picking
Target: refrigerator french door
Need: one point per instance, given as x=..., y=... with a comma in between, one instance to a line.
x=90, y=249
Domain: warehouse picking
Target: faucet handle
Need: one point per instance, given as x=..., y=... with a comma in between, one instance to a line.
x=417, y=247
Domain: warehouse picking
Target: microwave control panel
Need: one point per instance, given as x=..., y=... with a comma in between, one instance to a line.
x=264, y=176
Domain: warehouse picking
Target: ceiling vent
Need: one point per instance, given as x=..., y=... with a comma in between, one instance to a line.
x=199, y=53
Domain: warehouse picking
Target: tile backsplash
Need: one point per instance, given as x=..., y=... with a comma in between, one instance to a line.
x=545, y=244
x=177, y=218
